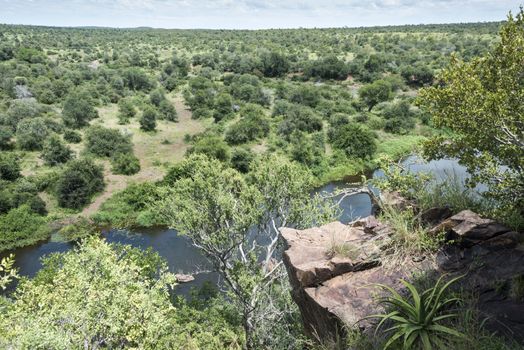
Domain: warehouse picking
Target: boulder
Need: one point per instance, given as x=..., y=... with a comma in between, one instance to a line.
x=469, y=228
x=183, y=278
x=434, y=216
x=395, y=200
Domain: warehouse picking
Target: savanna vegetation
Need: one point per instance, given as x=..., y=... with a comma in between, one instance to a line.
x=223, y=135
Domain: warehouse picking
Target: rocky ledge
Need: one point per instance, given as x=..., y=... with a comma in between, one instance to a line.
x=333, y=270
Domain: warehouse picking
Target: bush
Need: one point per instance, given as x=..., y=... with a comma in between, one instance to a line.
x=355, y=140
x=78, y=111
x=252, y=125
x=168, y=111
x=327, y=68
x=241, y=159
x=79, y=181
x=72, y=136
x=399, y=117
x=22, y=109
x=126, y=111
x=9, y=166
x=125, y=164
x=31, y=133
x=21, y=227
x=6, y=135
x=104, y=142
x=213, y=147
x=148, y=120
x=299, y=118
x=55, y=151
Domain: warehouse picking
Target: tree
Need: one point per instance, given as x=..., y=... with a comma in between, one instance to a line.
x=148, y=120
x=31, y=133
x=55, y=151
x=223, y=107
x=126, y=111
x=78, y=110
x=109, y=296
x=354, y=139
x=79, y=181
x=227, y=216
x=480, y=102
x=400, y=118
x=274, y=64
x=329, y=67
x=252, y=125
x=105, y=142
x=6, y=135
x=168, y=111
x=213, y=147
x=241, y=159
x=376, y=92
x=21, y=109
x=9, y=166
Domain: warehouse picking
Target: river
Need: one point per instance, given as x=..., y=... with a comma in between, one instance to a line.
x=182, y=257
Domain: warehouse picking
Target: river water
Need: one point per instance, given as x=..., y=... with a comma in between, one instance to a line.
x=182, y=257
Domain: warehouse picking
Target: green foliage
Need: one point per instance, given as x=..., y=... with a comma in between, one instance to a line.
x=9, y=166
x=55, y=151
x=417, y=320
x=376, y=92
x=148, y=119
x=79, y=181
x=126, y=111
x=400, y=118
x=22, y=227
x=252, y=125
x=125, y=164
x=329, y=67
x=274, y=64
x=80, y=229
x=131, y=302
x=241, y=159
x=355, y=140
x=78, y=110
x=6, y=136
x=104, y=142
x=480, y=103
x=223, y=107
x=213, y=147
x=299, y=118
x=7, y=272
x=31, y=133
x=72, y=136
x=130, y=207
x=168, y=111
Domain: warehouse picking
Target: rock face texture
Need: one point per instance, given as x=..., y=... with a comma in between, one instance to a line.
x=333, y=270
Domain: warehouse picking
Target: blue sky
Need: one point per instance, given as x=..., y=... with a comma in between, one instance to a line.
x=250, y=14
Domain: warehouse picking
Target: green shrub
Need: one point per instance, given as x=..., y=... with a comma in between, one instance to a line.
x=9, y=166
x=72, y=136
x=241, y=159
x=55, y=151
x=6, y=136
x=31, y=133
x=148, y=120
x=81, y=229
x=213, y=147
x=355, y=140
x=79, y=181
x=167, y=111
x=104, y=142
x=125, y=164
x=78, y=110
x=22, y=227
x=126, y=111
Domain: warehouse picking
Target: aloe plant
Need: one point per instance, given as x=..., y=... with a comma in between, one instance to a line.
x=416, y=319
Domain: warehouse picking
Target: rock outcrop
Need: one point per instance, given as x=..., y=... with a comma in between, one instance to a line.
x=333, y=270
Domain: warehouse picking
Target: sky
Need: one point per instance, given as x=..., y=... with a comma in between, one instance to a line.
x=250, y=14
